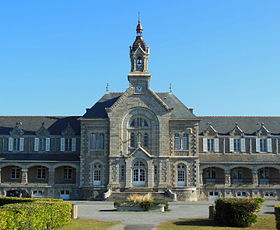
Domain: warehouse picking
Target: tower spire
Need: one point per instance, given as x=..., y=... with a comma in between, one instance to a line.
x=139, y=27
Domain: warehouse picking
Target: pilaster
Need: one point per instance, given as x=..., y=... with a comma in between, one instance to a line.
x=24, y=176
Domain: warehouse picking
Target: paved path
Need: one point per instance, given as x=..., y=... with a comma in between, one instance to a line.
x=104, y=210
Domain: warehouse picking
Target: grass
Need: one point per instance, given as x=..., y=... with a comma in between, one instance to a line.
x=264, y=222
x=87, y=224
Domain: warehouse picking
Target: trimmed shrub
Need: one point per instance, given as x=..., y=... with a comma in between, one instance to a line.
x=38, y=214
x=146, y=205
x=236, y=212
x=15, y=200
x=277, y=216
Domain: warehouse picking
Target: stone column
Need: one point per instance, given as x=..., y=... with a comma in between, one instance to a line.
x=227, y=178
x=128, y=175
x=24, y=176
x=201, y=177
x=255, y=177
x=51, y=176
x=150, y=171
x=77, y=177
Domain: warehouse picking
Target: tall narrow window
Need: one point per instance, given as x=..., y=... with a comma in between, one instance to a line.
x=122, y=172
x=146, y=140
x=68, y=144
x=101, y=141
x=15, y=172
x=41, y=172
x=263, y=145
x=42, y=144
x=132, y=140
x=68, y=171
x=210, y=145
x=237, y=145
x=177, y=141
x=16, y=144
x=181, y=175
x=185, y=144
x=97, y=174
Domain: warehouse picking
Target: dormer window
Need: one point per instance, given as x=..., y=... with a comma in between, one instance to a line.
x=16, y=144
x=237, y=145
x=42, y=144
x=263, y=145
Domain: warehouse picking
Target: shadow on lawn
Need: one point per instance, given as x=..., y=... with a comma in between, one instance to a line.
x=196, y=222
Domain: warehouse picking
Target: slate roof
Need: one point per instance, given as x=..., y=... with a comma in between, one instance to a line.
x=249, y=125
x=39, y=157
x=180, y=111
x=30, y=124
x=139, y=41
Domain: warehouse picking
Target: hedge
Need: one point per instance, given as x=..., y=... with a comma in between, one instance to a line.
x=146, y=205
x=13, y=200
x=39, y=214
x=277, y=216
x=236, y=212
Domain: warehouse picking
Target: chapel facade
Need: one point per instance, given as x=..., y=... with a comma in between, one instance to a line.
x=140, y=141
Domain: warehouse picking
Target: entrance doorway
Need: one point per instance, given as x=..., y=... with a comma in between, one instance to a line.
x=139, y=174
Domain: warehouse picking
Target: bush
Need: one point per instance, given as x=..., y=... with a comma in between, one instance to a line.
x=277, y=216
x=13, y=200
x=39, y=214
x=237, y=212
x=146, y=205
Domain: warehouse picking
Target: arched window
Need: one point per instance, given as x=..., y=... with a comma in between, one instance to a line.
x=132, y=140
x=97, y=174
x=146, y=140
x=177, y=141
x=181, y=175
x=138, y=122
x=139, y=63
x=185, y=142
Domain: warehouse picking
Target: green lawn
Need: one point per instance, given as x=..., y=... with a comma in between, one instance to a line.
x=87, y=224
x=264, y=222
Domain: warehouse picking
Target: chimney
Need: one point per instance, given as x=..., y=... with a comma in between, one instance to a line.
x=191, y=110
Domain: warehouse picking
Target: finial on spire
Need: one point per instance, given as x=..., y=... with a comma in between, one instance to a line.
x=139, y=27
x=107, y=88
x=170, y=88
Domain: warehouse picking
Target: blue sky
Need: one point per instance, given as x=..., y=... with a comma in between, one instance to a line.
x=222, y=57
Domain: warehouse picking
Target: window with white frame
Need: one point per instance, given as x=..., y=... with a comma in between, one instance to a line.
x=15, y=144
x=41, y=172
x=68, y=144
x=42, y=144
x=15, y=173
x=263, y=145
x=68, y=172
x=97, y=174
x=237, y=145
x=181, y=142
x=97, y=141
x=181, y=175
x=210, y=145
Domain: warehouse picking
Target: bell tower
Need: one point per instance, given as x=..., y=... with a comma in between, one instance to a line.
x=139, y=77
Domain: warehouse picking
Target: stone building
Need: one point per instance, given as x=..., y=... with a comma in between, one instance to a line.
x=140, y=141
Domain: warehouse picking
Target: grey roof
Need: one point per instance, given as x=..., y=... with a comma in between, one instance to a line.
x=180, y=111
x=249, y=125
x=39, y=157
x=30, y=124
x=230, y=158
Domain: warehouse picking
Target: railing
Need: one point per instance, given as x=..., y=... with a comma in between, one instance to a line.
x=242, y=181
x=213, y=181
x=270, y=181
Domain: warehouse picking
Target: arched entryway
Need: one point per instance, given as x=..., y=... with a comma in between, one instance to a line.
x=139, y=173
x=241, y=175
x=213, y=175
x=268, y=175
x=11, y=174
